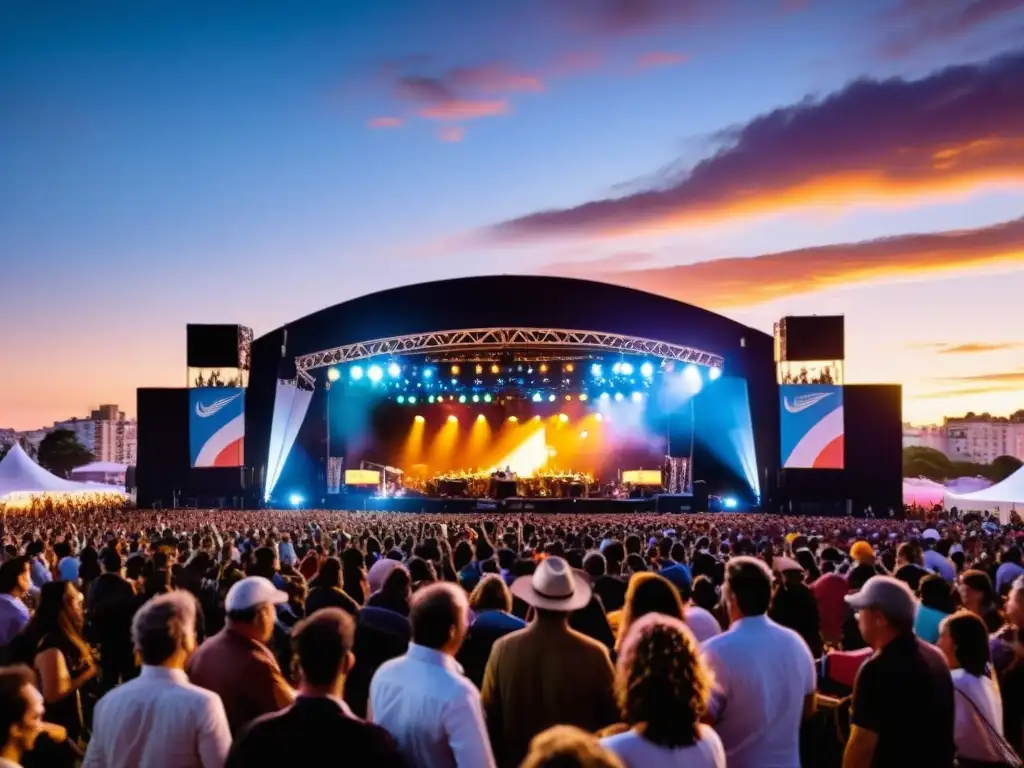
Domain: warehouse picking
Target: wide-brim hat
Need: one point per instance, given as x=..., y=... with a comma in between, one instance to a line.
x=554, y=586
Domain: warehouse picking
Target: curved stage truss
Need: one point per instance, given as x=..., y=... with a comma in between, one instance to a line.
x=470, y=339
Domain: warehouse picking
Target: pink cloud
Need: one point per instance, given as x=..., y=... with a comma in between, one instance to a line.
x=451, y=133
x=461, y=109
x=494, y=78
x=661, y=59
x=386, y=122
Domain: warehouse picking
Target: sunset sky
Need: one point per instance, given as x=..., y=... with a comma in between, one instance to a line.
x=164, y=163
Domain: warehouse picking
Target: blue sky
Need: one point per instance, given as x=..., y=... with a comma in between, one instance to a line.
x=161, y=164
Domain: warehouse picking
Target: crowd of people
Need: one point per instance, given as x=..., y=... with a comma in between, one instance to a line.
x=209, y=638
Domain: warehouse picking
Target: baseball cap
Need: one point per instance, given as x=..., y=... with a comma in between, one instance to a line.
x=251, y=592
x=890, y=596
x=861, y=551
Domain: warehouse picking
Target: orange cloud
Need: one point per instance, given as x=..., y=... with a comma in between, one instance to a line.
x=661, y=59
x=459, y=109
x=874, y=142
x=976, y=347
x=740, y=282
x=386, y=122
x=451, y=133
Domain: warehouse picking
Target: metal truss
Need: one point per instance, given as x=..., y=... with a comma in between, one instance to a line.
x=505, y=338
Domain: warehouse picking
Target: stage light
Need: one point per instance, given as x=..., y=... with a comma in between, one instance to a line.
x=551, y=398
x=536, y=397
x=513, y=419
x=595, y=370
x=584, y=434
x=455, y=382
x=583, y=397
x=626, y=369
x=729, y=502
x=481, y=417
x=456, y=370
x=462, y=398
x=691, y=374
x=394, y=370
x=604, y=396
x=563, y=418
x=333, y=374
x=453, y=419
x=428, y=372
x=637, y=397
x=400, y=399
x=374, y=373
x=487, y=397
x=536, y=417
x=569, y=367
x=616, y=368
x=619, y=397
x=598, y=417
x=647, y=370
x=568, y=398
x=356, y=372
x=495, y=368
x=543, y=367
x=476, y=398
x=295, y=499
x=419, y=419
x=430, y=399
x=479, y=369
x=411, y=401
x=715, y=373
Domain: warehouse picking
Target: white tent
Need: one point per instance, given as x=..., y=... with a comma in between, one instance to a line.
x=1002, y=497
x=101, y=467
x=20, y=476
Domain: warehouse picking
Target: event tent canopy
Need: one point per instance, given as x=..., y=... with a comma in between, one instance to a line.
x=20, y=475
x=1003, y=496
x=101, y=468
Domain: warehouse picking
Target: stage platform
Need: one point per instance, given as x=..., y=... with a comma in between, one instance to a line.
x=663, y=503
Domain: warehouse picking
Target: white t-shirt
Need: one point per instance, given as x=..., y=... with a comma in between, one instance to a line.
x=972, y=737
x=701, y=622
x=763, y=672
x=636, y=752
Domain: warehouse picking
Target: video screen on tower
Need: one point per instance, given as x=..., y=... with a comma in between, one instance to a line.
x=812, y=426
x=217, y=426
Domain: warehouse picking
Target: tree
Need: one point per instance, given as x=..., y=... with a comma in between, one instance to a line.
x=926, y=462
x=1002, y=467
x=60, y=452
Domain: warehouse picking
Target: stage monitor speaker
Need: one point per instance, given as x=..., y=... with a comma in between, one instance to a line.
x=505, y=489
x=700, y=496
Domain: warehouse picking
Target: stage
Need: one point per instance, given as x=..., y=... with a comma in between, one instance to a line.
x=661, y=503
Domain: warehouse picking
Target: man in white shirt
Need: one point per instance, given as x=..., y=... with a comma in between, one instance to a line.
x=423, y=699
x=161, y=720
x=764, y=674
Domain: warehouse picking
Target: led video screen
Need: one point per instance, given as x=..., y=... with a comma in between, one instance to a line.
x=812, y=426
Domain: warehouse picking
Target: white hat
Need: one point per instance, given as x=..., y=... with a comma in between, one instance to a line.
x=251, y=592
x=783, y=564
x=932, y=534
x=553, y=587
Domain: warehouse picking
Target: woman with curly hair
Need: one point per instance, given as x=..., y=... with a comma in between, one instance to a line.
x=647, y=593
x=662, y=688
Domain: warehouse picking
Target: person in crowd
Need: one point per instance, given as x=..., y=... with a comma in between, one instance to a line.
x=793, y=604
x=160, y=719
x=15, y=582
x=381, y=635
x=701, y=622
x=236, y=663
x=395, y=594
x=604, y=569
x=564, y=746
x=547, y=674
x=829, y=589
x=648, y=593
x=325, y=589
x=1008, y=661
x=67, y=560
x=884, y=730
x=936, y=604
x=21, y=713
x=978, y=730
x=353, y=575
x=52, y=643
x=423, y=699
x=934, y=560
x=908, y=565
x=112, y=604
x=40, y=570
x=980, y=598
x=662, y=687
x=491, y=604
x=1010, y=569
x=323, y=650
x=764, y=674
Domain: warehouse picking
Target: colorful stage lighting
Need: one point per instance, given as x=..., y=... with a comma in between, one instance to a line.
x=374, y=373
x=626, y=369
x=619, y=397
x=584, y=434
x=400, y=399
x=456, y=370
x=536, y=397
x=569, y=367
x=563, y=418
x=715, y=373
x=543, y=367
x=513, y=419
x=487, y=398
x=616, y=368
x=595, y=370
x=419, y=419
x=333, y=374
x=394, y=370
x=598, y=417
x=729, y=502
x=551, y=398
x=476, y=398
x=455, y=382
x=452, y=418
x=495, y=368
x=356, y=371
x=647, y=370
x=411, y=401
x=637, y=397
x=479, y=369
x=428, y=373
x=604, y=396
x=430, y=399
x=481, y=417
x=691, y=374
x=462, y=398
x=583, y=397
x=568, y=398
x=295, y=499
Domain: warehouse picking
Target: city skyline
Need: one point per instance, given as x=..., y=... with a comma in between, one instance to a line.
x=252, y=164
